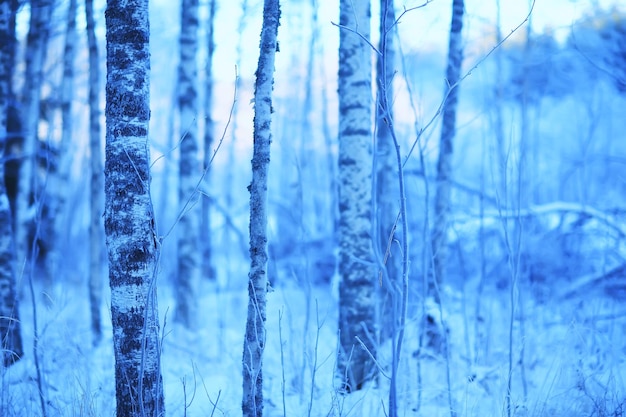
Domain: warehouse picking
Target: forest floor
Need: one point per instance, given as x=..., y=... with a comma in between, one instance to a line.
x=565, y=358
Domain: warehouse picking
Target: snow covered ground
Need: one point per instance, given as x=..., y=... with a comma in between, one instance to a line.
x=568, y=359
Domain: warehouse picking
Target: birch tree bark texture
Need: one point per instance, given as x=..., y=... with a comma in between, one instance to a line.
x=444, y=163
x=358, y=272
x=131, y=240
x=189, y=252
x=254, y=340
x=10, y=336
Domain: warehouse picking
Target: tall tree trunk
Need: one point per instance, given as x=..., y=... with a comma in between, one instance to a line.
x=14, y=139
x=387, y=193
x=444, y=164
x=332, y=210
x=11, y=43
x=309, y=167
x=97, y=196
x=189, y=251
x=498, y=109
x=132, y=242
x=391, y=207
x=356, y=261
x=40, y=14
x=10, y=336
x=207, y=245
x=229, y=238
x=14, y=121
x=164, y=213
x=254, y=341
x=57, y=189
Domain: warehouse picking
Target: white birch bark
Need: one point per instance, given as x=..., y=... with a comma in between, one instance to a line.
x=40, y=15
x=131, y=238
x=254, y=341
x=444, y=163
x=96, y=184
x=189, y=251
x=10, y=336
x=357, y=269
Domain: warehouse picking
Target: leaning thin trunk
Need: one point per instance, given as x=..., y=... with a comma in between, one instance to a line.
x=10, y=336
x=189, y=262
x=96, y=184
x=357, y=299
x=132, y=242
x=444, y=164
x=254, y=341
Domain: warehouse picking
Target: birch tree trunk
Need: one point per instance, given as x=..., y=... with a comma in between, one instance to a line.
x=330, y=139
x=96, y=184
x=13, y=120
x=254, y=341
x=58, y=179
x=11, y=43
x=498, y=109
x=309, y=168
x=41, y=11
x=444, y=163
x=229, y=237
x=387, y=192
x=357, y=301
x=392, y=215
x=207, y=245
x=189, y=253
x=10, y=336
x=132, y=243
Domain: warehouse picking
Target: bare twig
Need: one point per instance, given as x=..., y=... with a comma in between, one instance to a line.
x=378, y=365
x=188, y=205
x=282, y=360
x=314, y=367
